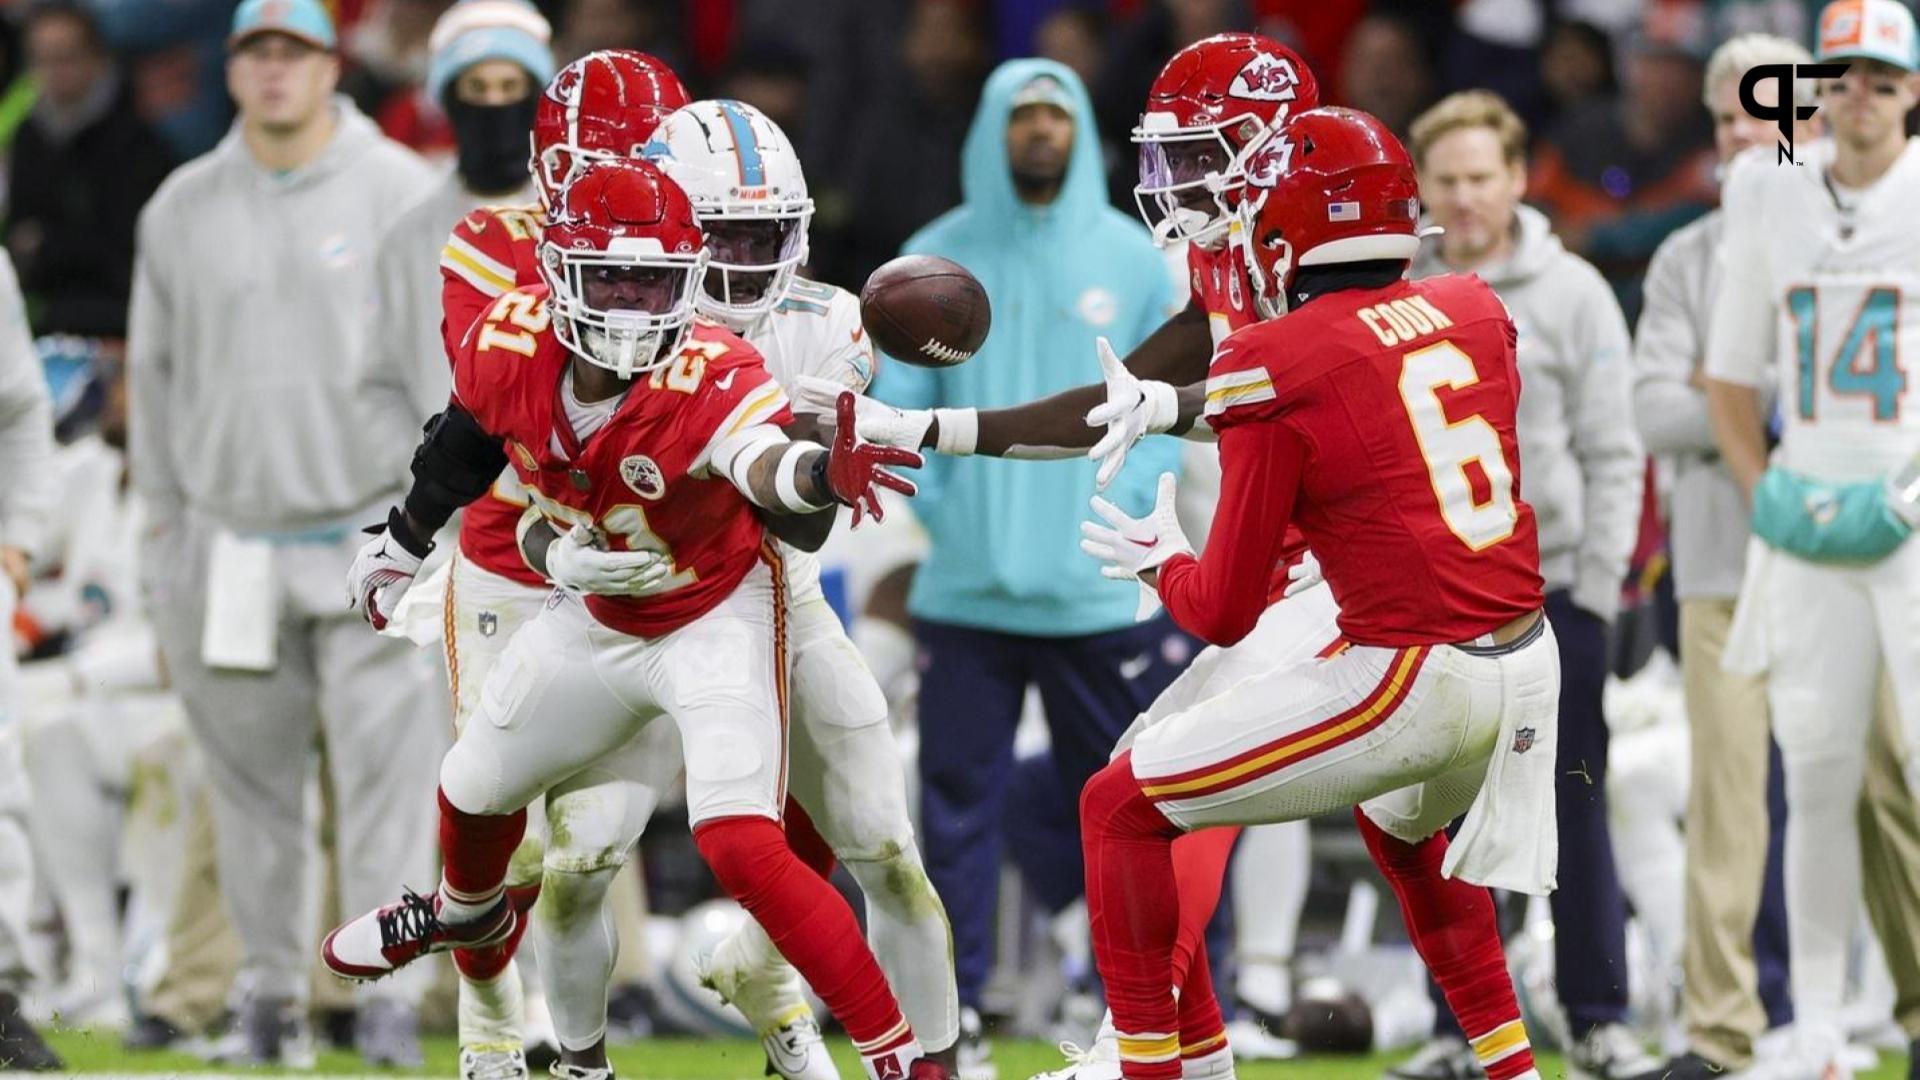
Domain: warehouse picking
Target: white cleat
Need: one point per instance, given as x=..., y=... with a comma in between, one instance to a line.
x=564, y=1071
x=796, y=1051
x=493, y=1061
x=1101, y=1061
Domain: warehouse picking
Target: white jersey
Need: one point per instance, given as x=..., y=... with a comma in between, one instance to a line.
x=1825, y=283
x=815, y=330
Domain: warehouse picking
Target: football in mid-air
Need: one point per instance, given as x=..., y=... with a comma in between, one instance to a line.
x=926, y=311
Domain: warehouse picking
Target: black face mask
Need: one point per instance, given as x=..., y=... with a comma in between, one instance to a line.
x=492, y=141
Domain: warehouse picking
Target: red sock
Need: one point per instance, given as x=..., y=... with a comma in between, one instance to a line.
x=809, y=923
x=1455, y=931
x=1199, y=871
x=1134, y=908
x=1202, y=1029
x=806, y=841
x=484, y=965
x=475, y=850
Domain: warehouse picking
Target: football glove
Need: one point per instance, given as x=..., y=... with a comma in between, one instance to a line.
x=577, y=561
x=854, y=468
x=1132, y=546
x=1134, y=409
x=384, y=568
x=876, y=421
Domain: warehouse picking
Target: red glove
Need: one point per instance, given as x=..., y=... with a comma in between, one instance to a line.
x=855, y=468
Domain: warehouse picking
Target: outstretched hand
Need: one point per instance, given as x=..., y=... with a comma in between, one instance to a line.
x=855, y=469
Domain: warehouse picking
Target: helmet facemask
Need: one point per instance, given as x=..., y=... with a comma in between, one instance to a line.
x=1191, y=179
x=753, y=252
x=627, y=309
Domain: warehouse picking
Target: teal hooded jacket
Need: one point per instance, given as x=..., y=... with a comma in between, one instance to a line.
x=1006, y=534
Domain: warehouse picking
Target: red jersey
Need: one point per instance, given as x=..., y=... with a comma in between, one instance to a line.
x=642, y=479
x=1382, y=422
x=1220, y=284
x=491, y=251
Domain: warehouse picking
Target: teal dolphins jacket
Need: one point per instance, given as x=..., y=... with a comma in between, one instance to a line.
x=1006, y=534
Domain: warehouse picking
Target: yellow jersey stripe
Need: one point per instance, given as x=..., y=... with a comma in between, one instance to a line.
x=759, y=407
x=480, y=272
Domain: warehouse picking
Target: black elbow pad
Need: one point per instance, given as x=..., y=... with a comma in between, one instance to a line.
x=454, y=464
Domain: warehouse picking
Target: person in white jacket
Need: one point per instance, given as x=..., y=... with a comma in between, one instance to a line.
x=26, y=451
x=252, y=306
x=1819, y=302
x=1582, y=470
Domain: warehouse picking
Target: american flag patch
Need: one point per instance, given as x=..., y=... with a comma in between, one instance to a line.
x=1343, y=211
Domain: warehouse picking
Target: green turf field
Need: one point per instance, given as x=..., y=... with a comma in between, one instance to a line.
x=721, y=1059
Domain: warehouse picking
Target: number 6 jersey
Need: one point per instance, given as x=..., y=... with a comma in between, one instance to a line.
x=642, y=478
x=1381, y=422
x=1821, y=292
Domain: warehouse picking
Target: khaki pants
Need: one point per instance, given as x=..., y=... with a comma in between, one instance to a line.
x=1727, y=832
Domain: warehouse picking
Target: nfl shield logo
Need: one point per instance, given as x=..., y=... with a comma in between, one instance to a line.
x=489, y=623
x=1523, y=740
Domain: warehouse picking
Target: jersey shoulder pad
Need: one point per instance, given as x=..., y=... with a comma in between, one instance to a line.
x=826, y=329
x=1240, y=384
x=505, y=351
x=488, y=246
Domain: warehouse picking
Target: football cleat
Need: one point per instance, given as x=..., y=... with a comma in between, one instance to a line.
x=493, y=1061
x=389, y=938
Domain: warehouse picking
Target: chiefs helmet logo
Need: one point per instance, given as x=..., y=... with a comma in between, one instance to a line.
x=1267, y=77
x=1269, y=163
x=641, y=474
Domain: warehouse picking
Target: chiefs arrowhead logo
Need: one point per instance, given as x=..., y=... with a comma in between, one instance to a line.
x=643, y=476
x=1269, y=163
x=1266, y=77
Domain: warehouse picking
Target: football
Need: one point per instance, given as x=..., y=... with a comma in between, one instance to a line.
x=926, y=311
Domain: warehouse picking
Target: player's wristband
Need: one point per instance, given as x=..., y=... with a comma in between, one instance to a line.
x=959, y=430
x=1161, y=404
x=786, y=487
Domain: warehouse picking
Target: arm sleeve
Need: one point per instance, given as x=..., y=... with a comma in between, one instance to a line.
x=1669, y=410
x=1740, y=334
x=1612, y=463
x=1219, y=596
x=26, y=425
x=150, y=378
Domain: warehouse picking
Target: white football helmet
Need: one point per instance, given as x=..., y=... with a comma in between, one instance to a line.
x=750, y=195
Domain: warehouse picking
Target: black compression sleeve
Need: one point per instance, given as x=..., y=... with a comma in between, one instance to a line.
x=454, y=464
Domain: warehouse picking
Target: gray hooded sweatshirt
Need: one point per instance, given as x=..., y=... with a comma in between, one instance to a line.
x=253, y=300
x=1581, y=465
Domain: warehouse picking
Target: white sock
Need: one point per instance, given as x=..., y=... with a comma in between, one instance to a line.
x=907, y=925
x=490, y=1012
x=456, y=909
x=574, y=933
x=892, y=1064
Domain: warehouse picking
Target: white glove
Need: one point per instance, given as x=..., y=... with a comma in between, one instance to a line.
x=576, y=561
x=382, y=572
x=1302, y=575
x=1132, y=546
x=1134, y=408
x=874, y=421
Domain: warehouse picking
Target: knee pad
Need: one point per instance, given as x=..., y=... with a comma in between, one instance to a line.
x=1112, y=803
x=895, y=881
x=467, y=780
x=566, y=898
x=593, y=828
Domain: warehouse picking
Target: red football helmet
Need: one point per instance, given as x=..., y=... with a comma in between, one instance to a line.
x=605, y=104
x=1333, y=186
x=1212, y=107
x=623, y=257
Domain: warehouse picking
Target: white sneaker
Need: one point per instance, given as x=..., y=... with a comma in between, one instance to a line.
x=493, y=1061
x=1101, y=1061
x=1251, y=1042
x=579, y=1072
x=1612, y=1052
x=796, y=1051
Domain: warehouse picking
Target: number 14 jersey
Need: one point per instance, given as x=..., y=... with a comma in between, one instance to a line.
x=1394, y=408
